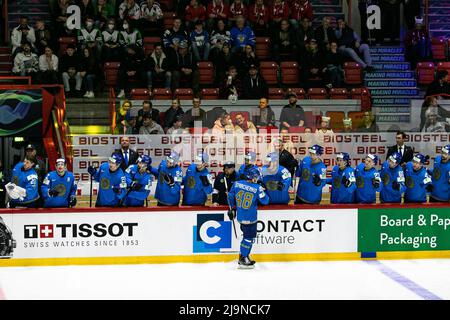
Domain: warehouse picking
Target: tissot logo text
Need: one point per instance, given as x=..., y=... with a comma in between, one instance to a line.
x=83, y=230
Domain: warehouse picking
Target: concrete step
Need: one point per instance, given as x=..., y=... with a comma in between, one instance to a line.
x=327, y=9
x=390, y=83
x=88, y=122
x=94, y=129
x=390, y=75
x=325, y=2
x=5, y=57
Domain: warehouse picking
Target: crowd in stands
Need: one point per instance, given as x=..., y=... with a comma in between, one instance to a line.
x=217, y=31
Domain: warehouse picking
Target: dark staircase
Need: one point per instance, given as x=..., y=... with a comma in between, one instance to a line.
x=438, y=18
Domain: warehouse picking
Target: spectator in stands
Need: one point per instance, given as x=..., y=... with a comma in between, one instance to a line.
x=185, y=66
x=89, y=36
x=130, y=11
x=130, y=36
x=434, y=123
x=173, y=37
x=200, y=42
x=292, y=114
x=149, y=126
x=158, y=67
x=103, y=11
x=417, y=44
x=223, y=125
x=405, y=151
x=69, y=66
x=264, y=115
x=43, y=37
x=219, y=37
x=348, y=128
x=440, y=85
x=350, y=43
x=333, y=70
x=89, y=71
x=305, y=33
x=195, y=11
x=231, y=85
x=131, y=67
x=86, y=8
x=212, y=115
x=21, y=34
x=299, y=10
x=278, y=11
x=254, y=85
x=245, y=59
x=431, y=102
x=147, y=108
x=60, y=15
x=48, y=67
x=26, y=63
x=242, y=125
x=324, y=34
x=130, y=124
x=259, y=16
x=172, y=113
x=312, y=65
x=216, y=10
x=284, y=41
x=368, y=124
x=177, y=127
x=222, y=62
x=196, y=113
x=110, y=38
x=237, y=8
x=323, y=130
x=151, y=17
x=241, y=35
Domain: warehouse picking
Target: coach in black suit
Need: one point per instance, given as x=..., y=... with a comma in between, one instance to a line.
x=129, y=156
x=406, y=151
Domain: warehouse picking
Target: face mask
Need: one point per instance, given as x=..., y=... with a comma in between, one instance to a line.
x=125, y=26
x=110, y=26
x=89, y=24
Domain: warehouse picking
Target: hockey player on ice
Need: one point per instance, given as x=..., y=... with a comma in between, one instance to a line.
x=23, y=188
x=58, y=188
x=368, y=181
x=440, y=175
x=250, y=160
x=170, y=177
x=139, y=182
x=393, y=180
x=342, y=180
x=277, y=180
x=417, y=180
x=197, y=182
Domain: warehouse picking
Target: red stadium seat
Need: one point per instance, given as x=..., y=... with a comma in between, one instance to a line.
x=443, y=66
x=210, y=93
x=336, y=119
x=425, y=73
x=168, y=18
x=438, y=48
x=352, y=73
x=268, y=129
x=149, y=44
x=269, y=71
x=296, y=129
x=206, y=71
x=262, y=48
x=111, y=69
x=289, y=72
x=300, y=92
x=184, y=93
x=317, y=93
x=233, y=115
x=64, y=42
x=140, y=94
x=276, y=93
x=162, y=94
x=364, y=95
x=197, y=130
x=312, y=119
x=357, y=118
x=338, y=93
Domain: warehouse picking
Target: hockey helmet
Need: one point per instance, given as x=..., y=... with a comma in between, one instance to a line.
x=253, y=173
x=145, y=159
x=374, y=158
x=251, y=156
x=344, y=156
x=395, y=157
x=316, y=149
x=116, y=158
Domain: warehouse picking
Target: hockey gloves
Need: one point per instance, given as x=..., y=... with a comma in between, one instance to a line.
x=91, y=170
x=316, y=180
x=53, y=193
x=262, y=184
x=346, y=182
x=429, y=187
x=396, y=185
x=204, y=180
x=72, y=201
x=280, y=186
x=168, y=179
x=136, y=186
x=231, y=214
x=376, y=183
x=116, y=189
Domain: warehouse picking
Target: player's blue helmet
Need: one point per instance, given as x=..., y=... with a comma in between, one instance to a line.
x=420, y=158
x=374, y=157
x=252, y=173
x=344, y=156
x=61, y=160
x=173, y=157
x=229, y=164
x=251, y=156
x=145, y=159
x=316, y=149
x=395, y=157
x=273, y=157
x=116, y=158
x=202, y=157
x=446, y=149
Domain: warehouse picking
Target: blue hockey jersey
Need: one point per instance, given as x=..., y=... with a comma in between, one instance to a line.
x=195, y=192
x=416, y=182
x=307, y=191
x=65, y=185
x=441, y=180
x=136, y=198
x=164, y=193
x=245, y=196
x=107, y=181
x=271, y=181
x=340, y=193
x=365, y=191
x=388, y=176
x=27, y=180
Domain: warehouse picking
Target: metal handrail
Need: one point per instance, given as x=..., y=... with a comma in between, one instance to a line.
x=5, y=22
x=112, y=109
x=27, y=78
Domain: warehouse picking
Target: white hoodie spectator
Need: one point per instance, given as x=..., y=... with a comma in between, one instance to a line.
x=22, y=33
x=26, y=63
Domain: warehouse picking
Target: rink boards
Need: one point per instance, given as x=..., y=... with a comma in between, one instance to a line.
x=205, y=234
